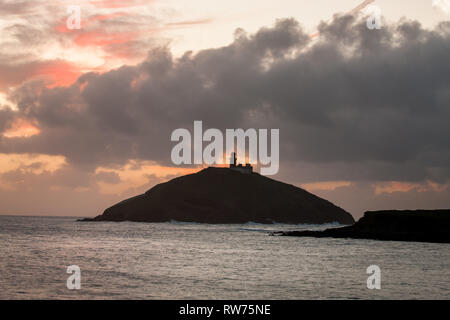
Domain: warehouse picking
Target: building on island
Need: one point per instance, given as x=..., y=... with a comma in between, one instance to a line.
x=239, y=167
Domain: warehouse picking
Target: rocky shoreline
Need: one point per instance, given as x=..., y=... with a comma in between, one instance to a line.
x=393, y=225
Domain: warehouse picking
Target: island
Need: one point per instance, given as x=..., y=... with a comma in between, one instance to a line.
x=392, y=225
x=221, y=195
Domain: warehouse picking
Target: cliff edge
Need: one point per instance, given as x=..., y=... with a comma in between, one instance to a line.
x=406, y=225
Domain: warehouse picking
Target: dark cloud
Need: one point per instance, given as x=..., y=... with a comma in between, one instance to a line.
x=14, y=7
x=364, y=104
x=6, y=116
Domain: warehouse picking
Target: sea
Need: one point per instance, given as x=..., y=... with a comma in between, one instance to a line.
x=175, y=260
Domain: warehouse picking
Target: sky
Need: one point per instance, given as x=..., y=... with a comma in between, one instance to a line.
x=86, y=114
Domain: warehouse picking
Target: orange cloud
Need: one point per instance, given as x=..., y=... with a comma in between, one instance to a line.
x=54, y=72
x=327, y=185
x=437, y=187
x=99, y=38
x=398, y=186
x=28, y=161
x=58, y=72
x=61, y=27
x=136, y=173
x=21, y=128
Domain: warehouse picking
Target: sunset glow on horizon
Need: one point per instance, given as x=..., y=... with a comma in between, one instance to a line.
x=91, y=109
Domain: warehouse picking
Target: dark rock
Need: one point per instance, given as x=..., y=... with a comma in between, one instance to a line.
x=407, y=225
x=221, y=195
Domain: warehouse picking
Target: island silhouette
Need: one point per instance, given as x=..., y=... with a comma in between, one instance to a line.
x=224, y=196
x=238, y=195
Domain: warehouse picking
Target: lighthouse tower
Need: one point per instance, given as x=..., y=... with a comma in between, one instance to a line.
x=233, y=160
x=239, y=167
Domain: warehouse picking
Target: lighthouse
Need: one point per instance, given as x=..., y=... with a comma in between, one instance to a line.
x=233, y=160
x=239, y=167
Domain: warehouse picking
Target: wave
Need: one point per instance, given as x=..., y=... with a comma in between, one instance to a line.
x=251, y=223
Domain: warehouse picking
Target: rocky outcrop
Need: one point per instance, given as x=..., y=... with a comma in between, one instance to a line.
x=407, y=225
x=221, y=195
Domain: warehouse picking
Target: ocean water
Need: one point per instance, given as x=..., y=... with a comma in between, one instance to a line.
x=199, y=261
